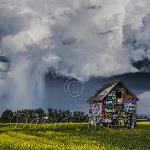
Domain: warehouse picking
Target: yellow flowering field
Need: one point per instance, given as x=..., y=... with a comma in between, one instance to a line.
x=72, y=136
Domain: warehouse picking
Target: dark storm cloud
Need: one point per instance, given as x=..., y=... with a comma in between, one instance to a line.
x=82, y=38
x=56, y=97
x=85, y=38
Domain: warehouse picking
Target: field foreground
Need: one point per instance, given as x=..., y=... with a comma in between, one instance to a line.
x=72, y=136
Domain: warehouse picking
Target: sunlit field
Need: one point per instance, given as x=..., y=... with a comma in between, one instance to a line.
x=73, y=136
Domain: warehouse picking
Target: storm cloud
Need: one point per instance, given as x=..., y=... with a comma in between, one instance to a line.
x=82, y=39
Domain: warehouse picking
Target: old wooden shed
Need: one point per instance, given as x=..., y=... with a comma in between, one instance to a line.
x=113, y=105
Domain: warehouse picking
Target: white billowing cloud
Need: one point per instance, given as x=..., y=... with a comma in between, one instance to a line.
x=144, y=103
x=148, y=54
x=81, y=38
x=138, y=54
x=3, y=66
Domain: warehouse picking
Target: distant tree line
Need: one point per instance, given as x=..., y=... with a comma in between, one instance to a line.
x=40, y=116
x=143, y=116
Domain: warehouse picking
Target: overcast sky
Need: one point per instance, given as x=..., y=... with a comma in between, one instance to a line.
x=84, y=39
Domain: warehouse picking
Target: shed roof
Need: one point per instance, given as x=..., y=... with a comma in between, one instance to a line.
x=106, y=89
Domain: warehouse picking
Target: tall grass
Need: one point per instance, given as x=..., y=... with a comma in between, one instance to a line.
x=73, y=136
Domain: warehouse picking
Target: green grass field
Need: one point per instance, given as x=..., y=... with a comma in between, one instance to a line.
x=73, y=136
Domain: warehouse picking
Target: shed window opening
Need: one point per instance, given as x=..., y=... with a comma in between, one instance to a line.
x=119, y=96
